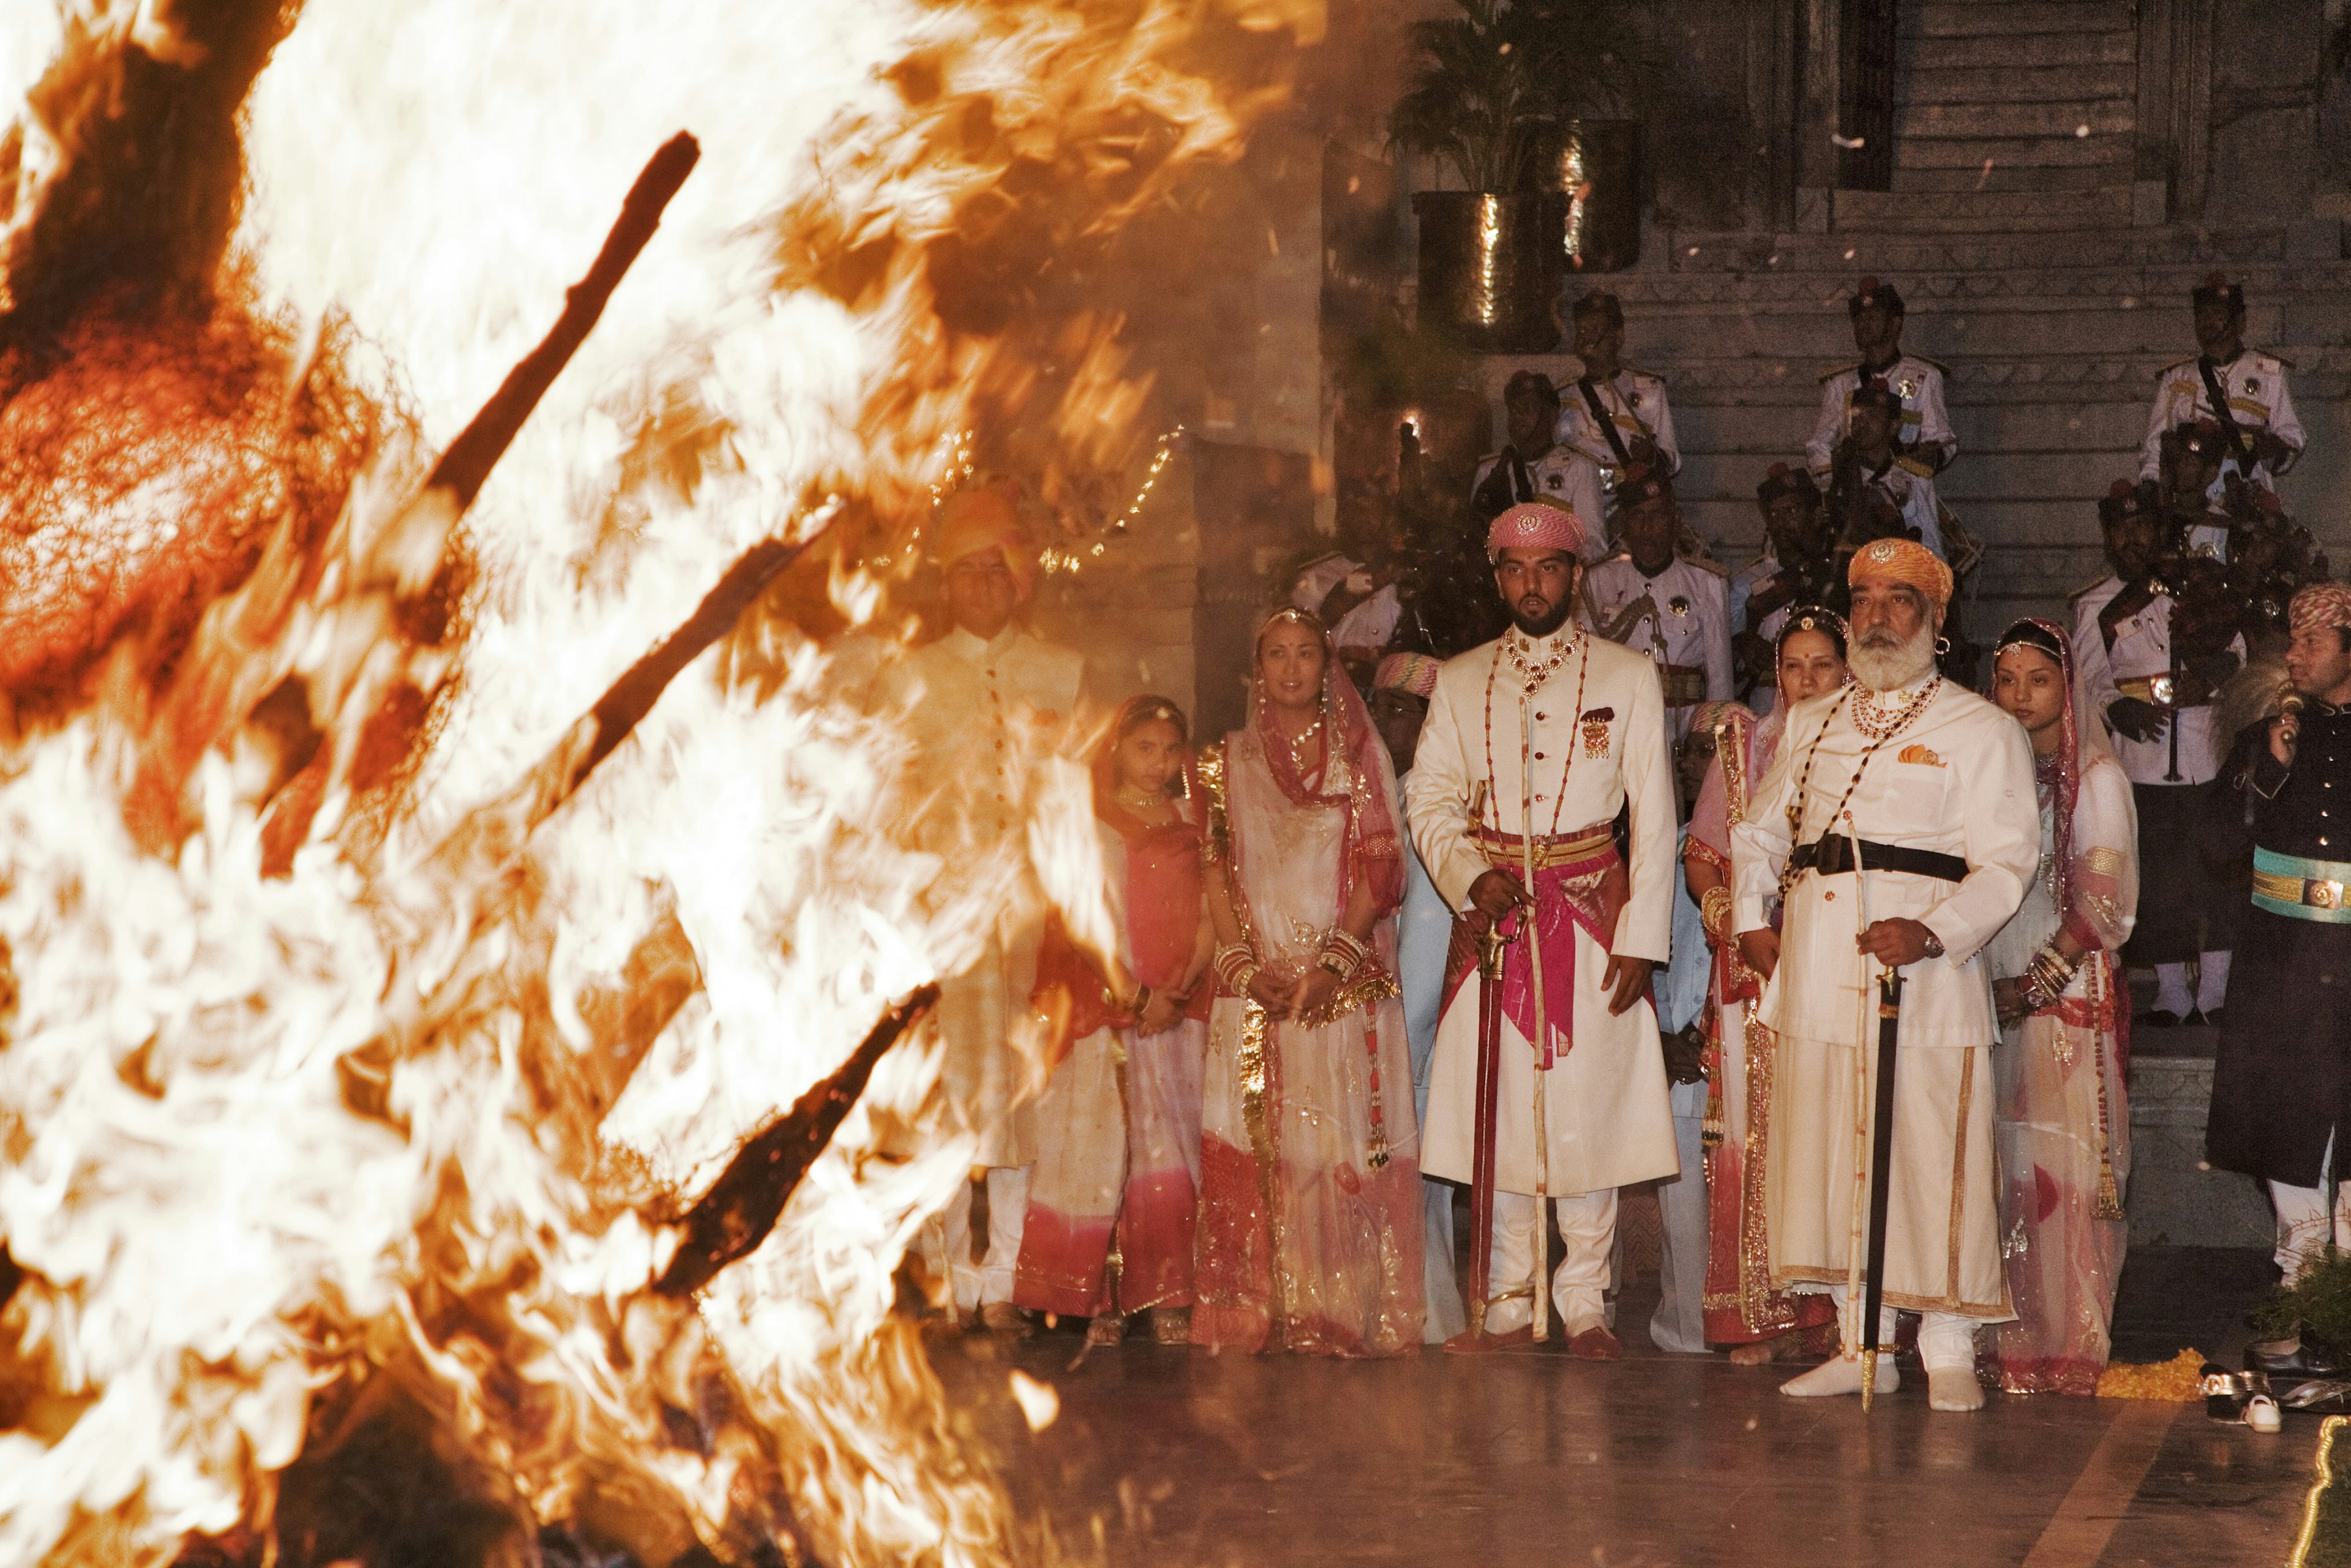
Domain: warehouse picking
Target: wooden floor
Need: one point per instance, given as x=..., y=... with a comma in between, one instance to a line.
x=1183, y=1457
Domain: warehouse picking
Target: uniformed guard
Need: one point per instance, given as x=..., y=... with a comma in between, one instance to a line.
x=1535, y=465
x=1798, y=566
x=1671, y=607
x=2197, y=483
x=1869, y=477
x=2281, y=1087
x=1614, y=416
x=2241, y=390
x=1923, y=434
x=2156, y=699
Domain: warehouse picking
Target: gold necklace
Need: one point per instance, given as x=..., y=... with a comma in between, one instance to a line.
x=1297, y=757
x=1532, y=674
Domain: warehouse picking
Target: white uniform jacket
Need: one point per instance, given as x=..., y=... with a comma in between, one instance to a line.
x=1562, y=475
x=1685, y=626
x=2140, y=659
x=1957, y=780
x=1608, y=1119
x=1635, y=404
x=2259, y=399
x=1925, y=429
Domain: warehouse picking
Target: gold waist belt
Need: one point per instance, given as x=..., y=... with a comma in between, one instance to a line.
x=2304, y=889
x=1565, y=849
x=1685, y=685
x=2157, y=689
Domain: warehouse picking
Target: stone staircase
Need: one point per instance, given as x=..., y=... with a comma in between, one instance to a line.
x=2010, y=116
x=2051, y=340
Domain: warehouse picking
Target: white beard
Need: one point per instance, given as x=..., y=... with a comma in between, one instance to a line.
x=1890, y=669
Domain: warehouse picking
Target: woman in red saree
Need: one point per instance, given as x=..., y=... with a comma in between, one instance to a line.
x=1742, y=1311
x=1310, y=1210
x=1111, y=1202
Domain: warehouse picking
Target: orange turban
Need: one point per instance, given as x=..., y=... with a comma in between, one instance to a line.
x=1905, y=561
x=986, y=518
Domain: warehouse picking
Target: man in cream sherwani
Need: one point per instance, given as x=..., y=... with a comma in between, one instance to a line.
x=983, y=706
x=1937, y=786
x=1532, y=744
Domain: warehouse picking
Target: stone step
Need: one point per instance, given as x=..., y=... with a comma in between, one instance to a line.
x=2077, y=117
x=1975, y=18
x=2022, y=49
x=1759, y=434
x=2040, y=151
x=1981, y=211
x=1991, y=174
x=1985, y=85
x=1911, y=256
x=1960, y=337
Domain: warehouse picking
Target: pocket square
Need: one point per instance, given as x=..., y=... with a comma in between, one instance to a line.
x=1922, y=755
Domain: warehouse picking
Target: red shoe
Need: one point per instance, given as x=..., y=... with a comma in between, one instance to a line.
x=1469, y=1343
x=1596, y=1344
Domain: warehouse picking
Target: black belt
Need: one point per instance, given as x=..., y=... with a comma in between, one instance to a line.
x=1831, y=854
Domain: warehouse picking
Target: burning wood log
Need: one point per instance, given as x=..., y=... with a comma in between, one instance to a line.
x=465, y=466
x=742, y=1206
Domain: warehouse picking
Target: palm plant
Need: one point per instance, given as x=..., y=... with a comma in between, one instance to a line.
x=1491, y=78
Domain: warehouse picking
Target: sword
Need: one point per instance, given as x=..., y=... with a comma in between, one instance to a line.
x=1492, y=946
x=1881, y=1185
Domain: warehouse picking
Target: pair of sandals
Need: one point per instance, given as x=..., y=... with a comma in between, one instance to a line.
x=2240, y=1398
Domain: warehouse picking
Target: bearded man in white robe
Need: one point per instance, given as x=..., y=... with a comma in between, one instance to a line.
x=1901, y=820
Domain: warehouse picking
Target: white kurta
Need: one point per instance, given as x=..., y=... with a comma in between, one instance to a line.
x=980, y=716
x=1606, y=1119
x=1957, y=780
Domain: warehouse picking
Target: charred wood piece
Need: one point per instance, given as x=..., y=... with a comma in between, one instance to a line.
x=467, y=464
x=742, y=1206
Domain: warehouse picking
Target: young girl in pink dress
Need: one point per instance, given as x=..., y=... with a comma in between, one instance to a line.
x=1111, y=1202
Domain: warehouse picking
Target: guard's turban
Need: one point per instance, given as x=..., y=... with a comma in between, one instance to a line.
x=976, y=521
x=1413, y=673
x=1536, y=525
x=2217, y=290
x=2321, y=604
x=1872, y=293
x=1783, y=481
x=1905, y=561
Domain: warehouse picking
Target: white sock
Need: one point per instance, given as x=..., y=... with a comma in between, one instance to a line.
x=1842, y=1375
x=2171, y=994
x=2211, y=981
x=1954, y=1388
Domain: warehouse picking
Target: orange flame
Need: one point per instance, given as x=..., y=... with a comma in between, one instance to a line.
x=346, y=1090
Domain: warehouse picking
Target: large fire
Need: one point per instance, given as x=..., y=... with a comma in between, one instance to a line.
x=373, y=1028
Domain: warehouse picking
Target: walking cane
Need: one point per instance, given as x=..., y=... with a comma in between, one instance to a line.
x=1492, y=946
x=1881, y=1185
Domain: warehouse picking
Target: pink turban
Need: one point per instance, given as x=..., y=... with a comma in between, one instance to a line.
x=1905, y=562
x=986, y=518
x=1413, y=672
x=2321, y=604
x=1536, y=525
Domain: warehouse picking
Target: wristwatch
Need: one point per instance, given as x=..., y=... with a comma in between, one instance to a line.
x=1934, y=946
